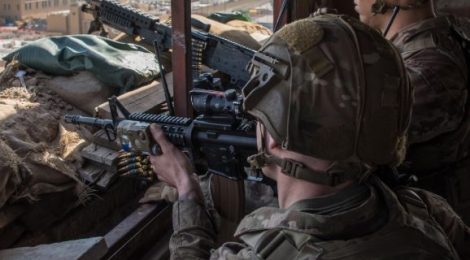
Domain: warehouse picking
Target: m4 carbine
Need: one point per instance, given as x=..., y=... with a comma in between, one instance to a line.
x=217, y=144
x=215, y=52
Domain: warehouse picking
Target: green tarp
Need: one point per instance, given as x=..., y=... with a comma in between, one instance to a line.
x=119, y=65
x=227, y=17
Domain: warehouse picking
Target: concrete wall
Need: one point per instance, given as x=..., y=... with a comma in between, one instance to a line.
x=10, y=9
x=58, y=22
x=41, y=8
x=20, y=9
x=79, y=22
x=72, y=21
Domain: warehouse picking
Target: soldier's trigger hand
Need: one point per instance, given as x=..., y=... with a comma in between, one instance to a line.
x=171, y=166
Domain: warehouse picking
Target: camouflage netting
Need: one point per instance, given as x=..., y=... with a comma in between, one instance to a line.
x=38, y=153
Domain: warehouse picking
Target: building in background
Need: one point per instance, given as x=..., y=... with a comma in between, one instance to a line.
x=71, y=21
x=13, y=10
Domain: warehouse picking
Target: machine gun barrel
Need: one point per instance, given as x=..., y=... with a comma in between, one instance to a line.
x=217, y=53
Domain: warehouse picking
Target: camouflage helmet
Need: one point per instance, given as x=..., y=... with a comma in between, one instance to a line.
x=332, y=88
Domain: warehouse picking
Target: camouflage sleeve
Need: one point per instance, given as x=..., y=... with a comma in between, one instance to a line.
x=456, y=230
x=194, y=233
x=233, y=250
x=440, y=94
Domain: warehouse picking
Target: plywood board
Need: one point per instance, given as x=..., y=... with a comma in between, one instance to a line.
x=148, y=98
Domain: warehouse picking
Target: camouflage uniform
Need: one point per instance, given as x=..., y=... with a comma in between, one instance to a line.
x=372, y=224
x=437, y=69
x=331, y=88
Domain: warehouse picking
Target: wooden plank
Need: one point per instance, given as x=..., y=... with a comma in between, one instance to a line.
x=88, y=248
x=101, y=138
x=99, y=216
x=277, y=6
x=160, y=249
x=181, y=56
x=106, y=180
x=101, y=155
x=142, y=229
x=91, y=173
x=148, y=98
x=100, y=166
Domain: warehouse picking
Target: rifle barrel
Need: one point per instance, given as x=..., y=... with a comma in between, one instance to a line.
x=84, y=120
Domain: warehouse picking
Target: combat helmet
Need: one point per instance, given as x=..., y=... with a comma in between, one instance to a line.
x=332, y=88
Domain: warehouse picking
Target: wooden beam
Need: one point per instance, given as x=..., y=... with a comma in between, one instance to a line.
x=139, y=231
x=277, y=6
x=344, y=7
x=181, y=56
x=302, y=8
x=296, y=10
x=148, y=98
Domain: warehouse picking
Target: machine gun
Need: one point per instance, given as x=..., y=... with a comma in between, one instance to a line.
x=217, y=141
x=209, y=49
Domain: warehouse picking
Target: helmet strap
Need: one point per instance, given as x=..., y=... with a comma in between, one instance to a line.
x=298, y=170
x=396, y=10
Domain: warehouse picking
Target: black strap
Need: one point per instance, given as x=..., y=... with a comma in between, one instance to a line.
x=298, y=170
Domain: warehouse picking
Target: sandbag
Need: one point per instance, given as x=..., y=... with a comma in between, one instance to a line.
x=82, y=90
x=123, y=66
x=38, y=155
x=229, y=32
x=224, y=17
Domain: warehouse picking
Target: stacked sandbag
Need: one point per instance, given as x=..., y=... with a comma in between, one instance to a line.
x=39, y=154
x=238, y=35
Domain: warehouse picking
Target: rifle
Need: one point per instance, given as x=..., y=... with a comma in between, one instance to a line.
x=216, y=141
x=213, y=51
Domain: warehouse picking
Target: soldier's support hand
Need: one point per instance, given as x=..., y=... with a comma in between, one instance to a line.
x=174, y=167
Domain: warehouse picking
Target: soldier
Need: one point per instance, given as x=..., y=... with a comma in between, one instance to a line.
x=333, y=104
x=435, y=62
